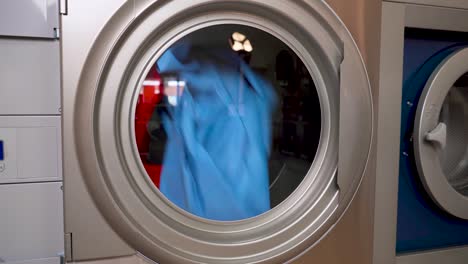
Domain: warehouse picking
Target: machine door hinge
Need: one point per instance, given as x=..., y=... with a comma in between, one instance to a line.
x=63, y=7
x=68, y=247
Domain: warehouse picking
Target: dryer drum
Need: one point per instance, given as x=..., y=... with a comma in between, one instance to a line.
x=255, y=130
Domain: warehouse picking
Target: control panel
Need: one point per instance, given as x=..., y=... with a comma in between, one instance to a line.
x=30, y=149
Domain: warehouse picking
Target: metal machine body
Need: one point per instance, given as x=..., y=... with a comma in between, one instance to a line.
x=111, y=210
x=421, y=209
x=31, y=226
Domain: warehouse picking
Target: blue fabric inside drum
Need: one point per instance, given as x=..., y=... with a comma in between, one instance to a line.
x=218, y=135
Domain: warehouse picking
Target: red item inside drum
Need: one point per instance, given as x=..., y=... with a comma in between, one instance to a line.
x=150, y=95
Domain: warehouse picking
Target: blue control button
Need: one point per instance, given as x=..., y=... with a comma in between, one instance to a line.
x=2, y=153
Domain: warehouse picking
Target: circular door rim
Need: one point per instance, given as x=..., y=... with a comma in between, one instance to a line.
x=427, y=118
x=110, y=179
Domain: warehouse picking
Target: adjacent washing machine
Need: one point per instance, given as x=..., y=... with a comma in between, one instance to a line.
x=433, y=202
x=431, y=192
x=209, y=131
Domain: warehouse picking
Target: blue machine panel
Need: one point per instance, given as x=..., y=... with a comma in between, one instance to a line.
x=422, y=225
x=2, y=152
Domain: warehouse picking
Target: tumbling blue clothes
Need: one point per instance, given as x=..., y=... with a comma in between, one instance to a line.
x=218, y=135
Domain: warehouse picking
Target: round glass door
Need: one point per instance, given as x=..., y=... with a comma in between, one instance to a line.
x=228, y=122
x=441, y=134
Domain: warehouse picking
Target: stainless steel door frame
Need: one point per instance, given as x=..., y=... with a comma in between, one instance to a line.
x=395, y=18
x=430, y=134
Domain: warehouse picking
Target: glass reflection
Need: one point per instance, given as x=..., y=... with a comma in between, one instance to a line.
x=227, y=122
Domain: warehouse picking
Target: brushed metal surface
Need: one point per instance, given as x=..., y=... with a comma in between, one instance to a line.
x=351, y=241
x=388, y=133
x=93, y=239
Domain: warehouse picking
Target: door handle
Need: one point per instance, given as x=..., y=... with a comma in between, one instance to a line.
x=438, y=135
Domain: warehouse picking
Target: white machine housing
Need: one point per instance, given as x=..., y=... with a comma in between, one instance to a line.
x=31, y=224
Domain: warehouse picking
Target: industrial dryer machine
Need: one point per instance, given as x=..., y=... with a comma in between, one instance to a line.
x=428, y=195
x=321, y=129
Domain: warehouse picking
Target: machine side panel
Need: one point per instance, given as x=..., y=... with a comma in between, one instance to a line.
x=91, y=236
x=386, y=189
x=31, y=221
x=340, y=245
x=29, y=77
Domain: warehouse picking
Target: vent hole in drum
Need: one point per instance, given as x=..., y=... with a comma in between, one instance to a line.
x=228, y=122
